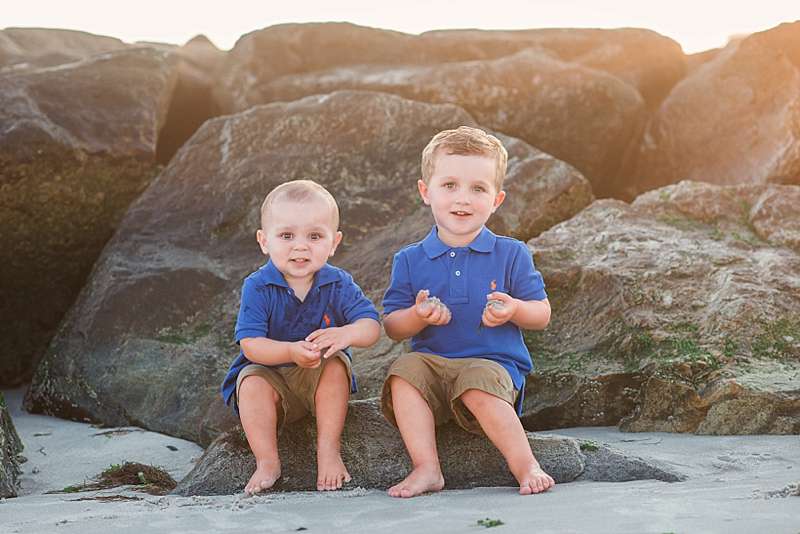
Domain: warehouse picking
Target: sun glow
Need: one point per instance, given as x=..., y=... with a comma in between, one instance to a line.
x=695, y=25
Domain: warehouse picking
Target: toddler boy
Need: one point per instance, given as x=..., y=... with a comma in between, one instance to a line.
x=462, y=295
x=297, y=319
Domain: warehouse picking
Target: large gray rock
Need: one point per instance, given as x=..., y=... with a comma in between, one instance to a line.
x=682, y=308
x=32, y=48
x=150, y=337
x=10, y=447
x=735, y=119
x=650, y=62
x=583, y=116
x=77, y=144
x=376, y=458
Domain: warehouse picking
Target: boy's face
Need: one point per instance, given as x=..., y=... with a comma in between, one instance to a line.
x=299, y=238
x=462, y=194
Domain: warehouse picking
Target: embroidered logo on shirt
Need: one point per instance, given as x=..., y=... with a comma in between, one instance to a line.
x=326, y=319
x=493, y=285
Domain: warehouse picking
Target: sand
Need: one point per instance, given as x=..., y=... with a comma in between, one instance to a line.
x=735, y=484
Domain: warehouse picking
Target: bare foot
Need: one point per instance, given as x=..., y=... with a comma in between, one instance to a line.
x=421, y=480
x=331, y=472
x=265, y=476
x=534, y=480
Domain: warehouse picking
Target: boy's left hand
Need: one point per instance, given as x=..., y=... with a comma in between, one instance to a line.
x=335, y=338
x=495, y=315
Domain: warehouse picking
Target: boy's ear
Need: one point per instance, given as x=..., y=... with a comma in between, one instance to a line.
x=336, y=240
x=261, y=237
x=498, y=199
x=423, y=192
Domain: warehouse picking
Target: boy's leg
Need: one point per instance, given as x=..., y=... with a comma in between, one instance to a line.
x=499, y=421
x=258, y=410
x=330, y=401
x=416, y=423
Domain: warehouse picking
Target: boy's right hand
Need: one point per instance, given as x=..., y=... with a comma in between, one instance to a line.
x=305, y=354
x=430, y=309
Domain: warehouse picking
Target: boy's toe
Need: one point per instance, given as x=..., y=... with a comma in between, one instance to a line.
x=394, y=491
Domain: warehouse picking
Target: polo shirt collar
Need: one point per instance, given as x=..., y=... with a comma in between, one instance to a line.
x=435, y=247
x=270, y=275
x=484, y=242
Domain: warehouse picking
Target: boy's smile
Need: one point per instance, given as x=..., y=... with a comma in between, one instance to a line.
x=299, y=238
x=462, y=194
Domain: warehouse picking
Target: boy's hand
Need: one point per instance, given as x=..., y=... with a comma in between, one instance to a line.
x=430, y=309
x=335, y=338
x=305, y=354
x=499, y=309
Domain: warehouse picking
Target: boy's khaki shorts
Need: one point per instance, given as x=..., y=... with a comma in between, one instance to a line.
x=442, y=381
x=295, y=385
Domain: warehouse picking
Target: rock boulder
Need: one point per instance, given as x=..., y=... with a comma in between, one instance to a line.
x=375, y=457
x=77, y=144
x=150, y=336
x=681, y=309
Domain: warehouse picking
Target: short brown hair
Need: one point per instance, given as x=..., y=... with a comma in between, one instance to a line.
x=465, y=141
x=299, y=191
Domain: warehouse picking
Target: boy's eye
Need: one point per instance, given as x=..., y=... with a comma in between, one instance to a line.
x=315, y=236
x=285, y=235
x=449, y=185
x=479, y=188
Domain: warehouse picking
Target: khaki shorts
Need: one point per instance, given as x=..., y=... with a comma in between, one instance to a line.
x=295, y=385
x=442, y=381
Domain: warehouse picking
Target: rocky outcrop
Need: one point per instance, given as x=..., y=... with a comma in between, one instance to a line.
x=648, y=61
x=682, y=307
x=24, y=49
x=77, y=144
x=582, y=95
x=10, y=447
x=375, y=457
x=150, y=337
x=735, y=119
x=583, y=116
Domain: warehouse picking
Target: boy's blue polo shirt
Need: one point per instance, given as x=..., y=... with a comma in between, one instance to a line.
x=462, y=277
x=269, y=308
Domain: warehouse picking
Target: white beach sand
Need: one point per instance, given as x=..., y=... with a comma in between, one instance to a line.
x=736, y=484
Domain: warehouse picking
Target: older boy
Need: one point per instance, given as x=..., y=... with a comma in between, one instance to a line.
x=462, y=294
x=298, y=316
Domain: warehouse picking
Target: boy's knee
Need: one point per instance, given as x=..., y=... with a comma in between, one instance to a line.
x=475, y=399
x=399, y=383
x=334, y=368
x=255, y=386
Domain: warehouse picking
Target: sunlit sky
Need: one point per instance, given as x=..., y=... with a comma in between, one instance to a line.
x=697, y=25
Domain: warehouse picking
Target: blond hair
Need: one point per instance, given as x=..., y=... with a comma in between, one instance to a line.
x=465, y=141
x=299, y=191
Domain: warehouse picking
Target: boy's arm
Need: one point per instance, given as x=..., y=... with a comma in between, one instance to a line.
x=361, y=333
x=526, y=314
x=532, y=314
x=408, y=322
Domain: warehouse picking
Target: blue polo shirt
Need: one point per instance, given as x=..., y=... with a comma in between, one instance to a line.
x=270, y=309
x=462, y=277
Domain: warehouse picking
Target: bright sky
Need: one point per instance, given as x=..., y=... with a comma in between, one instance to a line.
x=696, y=24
